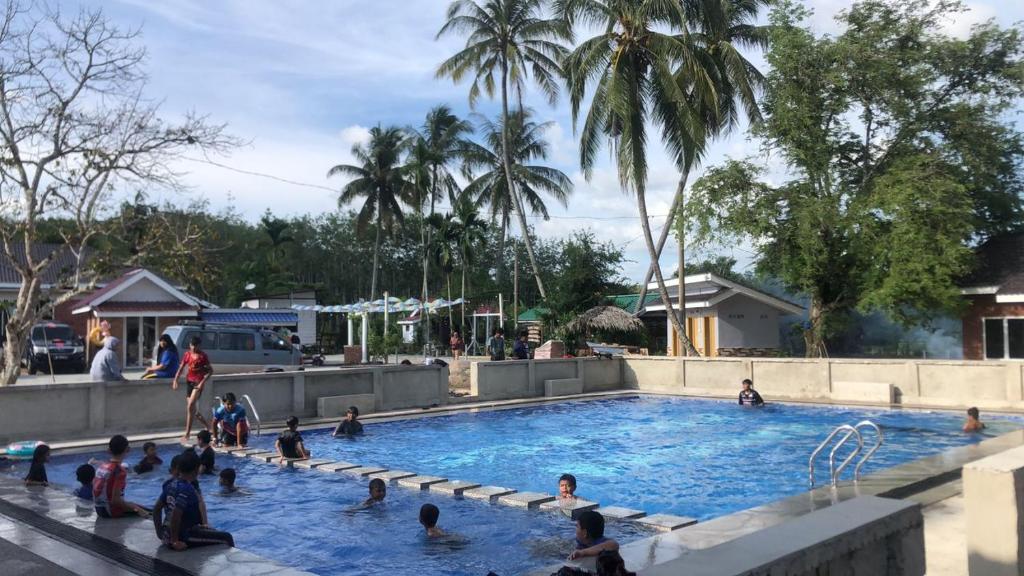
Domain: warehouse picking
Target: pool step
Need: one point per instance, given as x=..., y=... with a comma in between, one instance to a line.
x=392, y=475
x=336, y=466
x=421, y=482
x=620, y=513
x=310, y=464
x=525, y=499
x=666, y=522
x=489, y=493
x=364, y=470
x=453, y=487
x=570, y=507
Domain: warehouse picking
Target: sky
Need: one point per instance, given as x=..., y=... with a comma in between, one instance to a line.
x=301, y=82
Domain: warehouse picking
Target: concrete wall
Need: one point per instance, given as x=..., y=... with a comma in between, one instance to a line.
x=994, y=504
x=68, y=411
x=746, y=323
x=940, y=383
x=525, y=379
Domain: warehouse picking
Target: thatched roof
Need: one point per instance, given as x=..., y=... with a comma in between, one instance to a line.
x=605, y=318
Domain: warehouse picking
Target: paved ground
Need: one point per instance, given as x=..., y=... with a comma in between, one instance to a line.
x=945, y=541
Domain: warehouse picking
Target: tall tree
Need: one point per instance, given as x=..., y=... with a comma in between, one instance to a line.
x=74, y=126
x=439, y=145
x=511, y=40
x=444, y=249
x=379, y=180
x=645, y=69
x=469, y=230
x=899, y=156
x=490, y=187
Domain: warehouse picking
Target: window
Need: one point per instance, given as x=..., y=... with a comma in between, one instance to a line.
x=236, y=341
x=1004, y=338
x=271, y=341
x=208, y=340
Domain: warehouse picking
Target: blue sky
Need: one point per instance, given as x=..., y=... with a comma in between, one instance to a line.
x=302, y=81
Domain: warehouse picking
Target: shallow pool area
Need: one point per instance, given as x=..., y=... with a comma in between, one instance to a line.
x=692, y=457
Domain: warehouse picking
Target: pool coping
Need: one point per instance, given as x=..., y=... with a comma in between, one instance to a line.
x=902, y=481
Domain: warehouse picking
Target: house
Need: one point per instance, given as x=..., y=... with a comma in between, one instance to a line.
x=63, y=266
x=138, y=305
x=723, y=318
x=303, y=322
x=993, y=324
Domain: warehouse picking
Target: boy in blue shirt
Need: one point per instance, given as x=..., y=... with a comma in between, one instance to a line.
x=183, y=526
x=230, y=424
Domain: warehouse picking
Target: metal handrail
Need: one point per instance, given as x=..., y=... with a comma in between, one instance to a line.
x=870, y=453
x=825, y=442
x=836, y=472
x=255, y=414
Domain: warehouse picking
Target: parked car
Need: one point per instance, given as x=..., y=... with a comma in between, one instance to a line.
x=237, y=348
x=57, y=345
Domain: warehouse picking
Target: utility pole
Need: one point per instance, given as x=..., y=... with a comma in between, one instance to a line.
x=515, y=286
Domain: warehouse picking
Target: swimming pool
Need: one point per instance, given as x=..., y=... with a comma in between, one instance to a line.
x=700, y=458
x=692, y=457
x=304, y=518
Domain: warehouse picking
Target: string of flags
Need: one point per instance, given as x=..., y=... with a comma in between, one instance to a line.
x=393, y=305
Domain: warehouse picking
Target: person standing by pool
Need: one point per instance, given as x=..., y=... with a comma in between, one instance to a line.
x=167, y=362
x=230, y=424
x=350, y=426
x=457, y=344
x=749, y=396
x=520, y=350
x=496, y=345
x=289, y=443
x=199, y=372
x=973, y=424
x=590, y=539
x=106, y=366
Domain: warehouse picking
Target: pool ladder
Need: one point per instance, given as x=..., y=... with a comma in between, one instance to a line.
x=851, y=432
x=255, y=414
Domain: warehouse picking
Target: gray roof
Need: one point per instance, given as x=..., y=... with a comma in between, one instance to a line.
x=62, y=266
x=1000, y=263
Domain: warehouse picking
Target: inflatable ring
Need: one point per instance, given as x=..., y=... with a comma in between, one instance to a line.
x=22, y=449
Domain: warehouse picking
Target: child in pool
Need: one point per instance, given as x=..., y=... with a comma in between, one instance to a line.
x=37, y=469
x=85, y=475
x=378, y=490
x=149, y=461
x=973, y=423
x=590, y=539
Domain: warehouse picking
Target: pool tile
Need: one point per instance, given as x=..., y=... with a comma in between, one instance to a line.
x=525, y=499
x=620, y=513
x=309, y=464
x=571, y=508
x=666, y=522
x=421, y=482
x=455, y=487
x=336, y=466
x=392, y=475
x=488, y=492
x=364, y=470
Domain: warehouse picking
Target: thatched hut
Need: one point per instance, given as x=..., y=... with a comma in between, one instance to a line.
x=604, y=319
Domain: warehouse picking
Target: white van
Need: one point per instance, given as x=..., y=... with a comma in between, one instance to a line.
x=234, y=349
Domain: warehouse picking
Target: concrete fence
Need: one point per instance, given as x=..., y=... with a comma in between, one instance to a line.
x=63, y=411
x=526, y=378
x=939, y=383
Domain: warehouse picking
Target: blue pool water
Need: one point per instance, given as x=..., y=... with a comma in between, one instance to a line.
x=693, y=457
x=701, y=458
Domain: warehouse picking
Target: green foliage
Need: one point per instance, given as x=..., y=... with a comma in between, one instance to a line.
x=898, y=154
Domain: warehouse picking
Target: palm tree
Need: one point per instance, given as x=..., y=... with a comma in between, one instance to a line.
x=510, y=40
x=379, y=179
x=469, y=229
x=527, y=143
x=718, y=29
x=444, y=249
x=438, y=144
x=645, y=68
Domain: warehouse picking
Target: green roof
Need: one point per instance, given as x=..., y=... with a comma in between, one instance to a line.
x=533, y=314
x=628, y=301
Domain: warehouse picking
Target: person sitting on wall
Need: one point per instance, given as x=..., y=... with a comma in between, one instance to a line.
x=590, y=539
x=230, y=423
x=289, y=443
x=350, y=426
x=167, y=363
x=520, y=350
x=749, y=396
x=973, y=423
x=106, y=365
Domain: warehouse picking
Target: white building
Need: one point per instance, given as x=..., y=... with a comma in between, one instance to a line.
x=305, y=320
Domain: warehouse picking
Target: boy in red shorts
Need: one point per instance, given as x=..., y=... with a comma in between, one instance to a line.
x=199, y=372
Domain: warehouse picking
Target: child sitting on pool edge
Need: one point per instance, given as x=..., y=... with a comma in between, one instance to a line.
x=110, y=483
x=590, y=540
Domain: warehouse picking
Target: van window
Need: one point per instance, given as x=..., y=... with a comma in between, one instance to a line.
x=208, y=340
x=272, y=341
x=237, y=341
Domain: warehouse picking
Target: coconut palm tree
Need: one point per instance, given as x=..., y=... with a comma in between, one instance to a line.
x=527, y=145
x=645, y=69
x=444, y=248
x=718, y=30
x=438, y=145
x=379, y=180
x=469, y=230
x=507, y=42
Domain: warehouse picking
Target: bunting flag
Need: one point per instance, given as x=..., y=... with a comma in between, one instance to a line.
x=377, y=306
